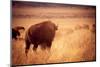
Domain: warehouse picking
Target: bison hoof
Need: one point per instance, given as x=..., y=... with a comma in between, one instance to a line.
x=34, y=49
x=43, y=48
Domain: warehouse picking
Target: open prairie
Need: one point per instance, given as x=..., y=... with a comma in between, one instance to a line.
x=74, y=41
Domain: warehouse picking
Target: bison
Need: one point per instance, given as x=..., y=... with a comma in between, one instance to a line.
x=15, y=31
x=94, y=28
x=40, y=34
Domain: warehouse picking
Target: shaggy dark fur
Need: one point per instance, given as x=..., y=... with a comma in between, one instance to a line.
x=40, y=34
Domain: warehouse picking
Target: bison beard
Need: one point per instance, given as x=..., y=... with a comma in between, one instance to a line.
x=40, y=34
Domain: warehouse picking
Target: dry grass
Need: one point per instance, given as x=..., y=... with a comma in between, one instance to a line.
x=74, y=40
x=69, y=45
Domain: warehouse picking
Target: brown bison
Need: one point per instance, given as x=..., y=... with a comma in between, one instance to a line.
x=15, y=32
x=94, y=28
x=40, y=34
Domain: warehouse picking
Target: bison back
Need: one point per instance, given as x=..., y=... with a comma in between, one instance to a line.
x=42, y=32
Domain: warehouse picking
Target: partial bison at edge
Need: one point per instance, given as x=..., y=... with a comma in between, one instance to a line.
x=16, y=32
x=40, y=34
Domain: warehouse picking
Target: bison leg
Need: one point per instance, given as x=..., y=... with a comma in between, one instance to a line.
x=49, y=44
x=35, y=47
x=27, y=47
x=43, y=46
